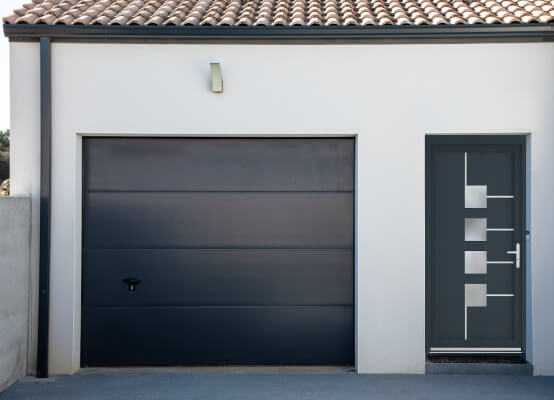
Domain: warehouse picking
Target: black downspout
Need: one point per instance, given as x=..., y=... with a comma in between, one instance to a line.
x=44, y=243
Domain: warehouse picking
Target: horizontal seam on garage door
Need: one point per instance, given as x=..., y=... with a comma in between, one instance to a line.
x=233, y=306
x=224, y=248
x=220, y=191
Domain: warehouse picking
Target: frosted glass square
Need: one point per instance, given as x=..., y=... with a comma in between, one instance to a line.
x=475, y=262
x=476, y=196
x=475, y=295
x=476, y=229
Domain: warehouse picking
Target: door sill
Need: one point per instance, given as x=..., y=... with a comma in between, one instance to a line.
x=478, y=364
x=455, y=368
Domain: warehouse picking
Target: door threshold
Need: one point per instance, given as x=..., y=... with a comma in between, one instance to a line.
x=483, y=364
x=215, y=369
x=475, y=350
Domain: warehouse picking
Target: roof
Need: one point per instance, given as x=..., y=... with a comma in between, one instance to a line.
x=282, y=12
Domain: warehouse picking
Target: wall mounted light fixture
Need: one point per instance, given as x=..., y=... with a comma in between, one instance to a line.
x=217, y=78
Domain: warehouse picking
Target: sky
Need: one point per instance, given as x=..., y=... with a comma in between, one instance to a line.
x=6, y=7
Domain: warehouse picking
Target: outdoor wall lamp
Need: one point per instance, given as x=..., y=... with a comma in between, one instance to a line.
x=217, y=79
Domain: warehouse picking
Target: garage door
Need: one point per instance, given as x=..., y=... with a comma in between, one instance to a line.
x=217, y=251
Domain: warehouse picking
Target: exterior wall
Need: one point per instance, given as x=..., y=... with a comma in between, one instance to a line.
x=25, y=160
x=388, y=96
x=15, y=242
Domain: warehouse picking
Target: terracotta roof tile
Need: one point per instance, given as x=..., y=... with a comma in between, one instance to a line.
x=282, y=12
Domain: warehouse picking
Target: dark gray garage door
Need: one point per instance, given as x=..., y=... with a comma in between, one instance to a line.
x=217, y=251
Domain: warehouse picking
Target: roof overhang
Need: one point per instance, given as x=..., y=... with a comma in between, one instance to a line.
x=323, y=34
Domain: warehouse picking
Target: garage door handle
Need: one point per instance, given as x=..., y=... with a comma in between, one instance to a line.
x=132, y=283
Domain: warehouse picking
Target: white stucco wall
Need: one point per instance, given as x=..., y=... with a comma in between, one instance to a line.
x=25, y=160
x=390, y=96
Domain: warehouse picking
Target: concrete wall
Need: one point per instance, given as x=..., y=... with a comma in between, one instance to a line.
x=388, y=96
x=15, y=242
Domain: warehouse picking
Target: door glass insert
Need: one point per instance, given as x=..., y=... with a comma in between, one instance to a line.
x=476, y=196
x=475, y=229
x=475, y=262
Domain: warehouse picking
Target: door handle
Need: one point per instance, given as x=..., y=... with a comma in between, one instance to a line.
x=517, y=252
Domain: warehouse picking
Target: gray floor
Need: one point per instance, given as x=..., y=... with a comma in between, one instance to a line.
x=317, y=386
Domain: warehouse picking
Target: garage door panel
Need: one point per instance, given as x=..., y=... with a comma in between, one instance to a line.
x=223, y=277
x=219, y=220
x=211, y=335
x=243, y=247
x=219, y=164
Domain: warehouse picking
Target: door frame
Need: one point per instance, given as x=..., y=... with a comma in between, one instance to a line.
x=472, y=139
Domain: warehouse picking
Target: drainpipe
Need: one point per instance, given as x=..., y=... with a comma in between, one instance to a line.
x=45, y=186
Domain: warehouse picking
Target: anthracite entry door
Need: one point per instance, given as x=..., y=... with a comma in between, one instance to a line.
x=475, y=244
x=218, y=251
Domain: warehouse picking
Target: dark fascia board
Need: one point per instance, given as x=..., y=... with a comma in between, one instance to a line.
x=325, y=34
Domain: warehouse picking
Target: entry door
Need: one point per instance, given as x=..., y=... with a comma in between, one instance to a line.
x=475, y=244
x=218, y=251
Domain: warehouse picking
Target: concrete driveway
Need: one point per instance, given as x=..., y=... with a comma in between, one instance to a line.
x=245, y=386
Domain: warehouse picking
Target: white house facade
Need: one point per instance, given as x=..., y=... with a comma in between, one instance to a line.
x=363, y=128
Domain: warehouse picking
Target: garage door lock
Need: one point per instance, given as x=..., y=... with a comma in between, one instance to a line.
x=132, y=284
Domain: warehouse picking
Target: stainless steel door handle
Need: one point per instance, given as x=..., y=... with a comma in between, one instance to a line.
x=517, y=253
